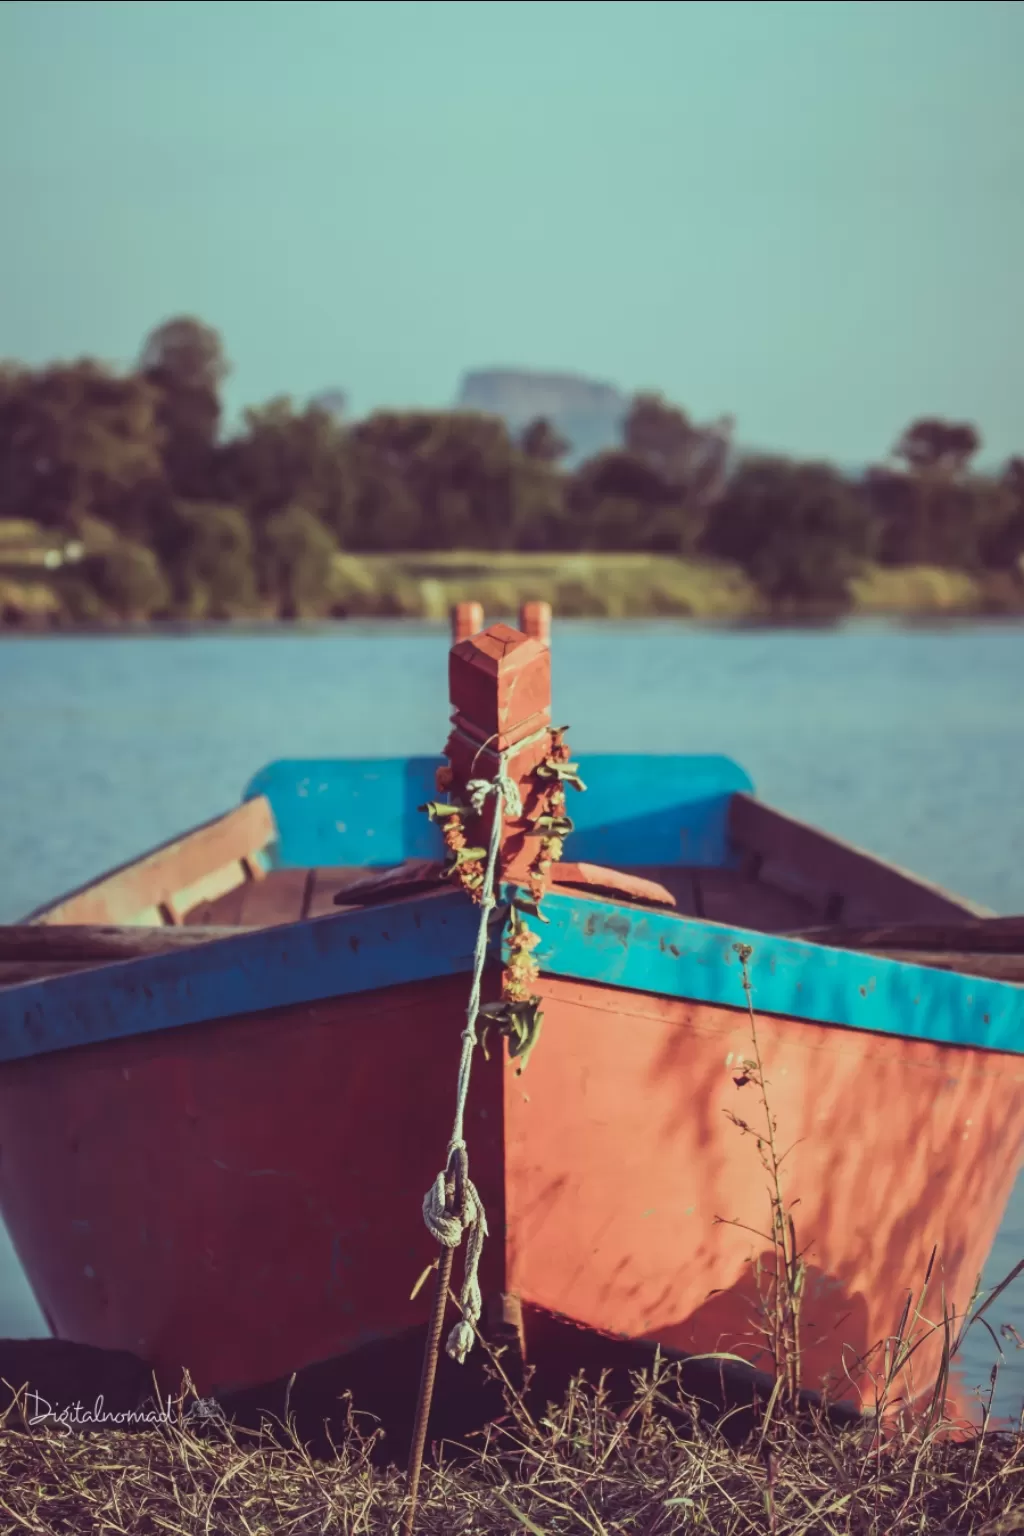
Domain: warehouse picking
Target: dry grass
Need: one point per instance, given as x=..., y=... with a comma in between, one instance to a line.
x=584, y=1468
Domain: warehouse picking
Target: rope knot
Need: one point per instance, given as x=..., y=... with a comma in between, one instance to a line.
x=478, y=790
x=452, y=1207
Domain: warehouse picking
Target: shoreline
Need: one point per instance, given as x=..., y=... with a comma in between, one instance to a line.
x=253, y=627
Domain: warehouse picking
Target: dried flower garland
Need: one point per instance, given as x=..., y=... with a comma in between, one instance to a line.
x=518, y=1015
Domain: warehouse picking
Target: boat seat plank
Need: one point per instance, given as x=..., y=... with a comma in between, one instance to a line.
x=989, y=935
x=282, y=896
x=326, y=884
x=278, y=898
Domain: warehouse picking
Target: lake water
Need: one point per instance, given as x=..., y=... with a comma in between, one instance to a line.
x=908, y=741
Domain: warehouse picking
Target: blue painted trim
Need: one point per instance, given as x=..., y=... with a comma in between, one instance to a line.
x=682, y=957
x=637, y=810
x=358, y=812
x=325, y=957
x=584, y=940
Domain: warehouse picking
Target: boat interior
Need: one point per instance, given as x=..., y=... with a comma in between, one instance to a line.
x=679, y=833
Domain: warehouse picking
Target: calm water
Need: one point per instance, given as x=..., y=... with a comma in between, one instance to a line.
x=909, y=742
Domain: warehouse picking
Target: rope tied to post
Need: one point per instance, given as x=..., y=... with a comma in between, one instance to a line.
x=452, y=1206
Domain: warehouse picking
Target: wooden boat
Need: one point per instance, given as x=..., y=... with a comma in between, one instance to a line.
x=224, y=1095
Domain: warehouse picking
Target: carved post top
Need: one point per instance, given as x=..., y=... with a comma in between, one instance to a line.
x=500, y=687
x=500, y=690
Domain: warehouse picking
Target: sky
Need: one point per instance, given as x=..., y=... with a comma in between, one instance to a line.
x=810, y=216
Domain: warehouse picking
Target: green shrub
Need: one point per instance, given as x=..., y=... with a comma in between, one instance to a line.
x=127, y=579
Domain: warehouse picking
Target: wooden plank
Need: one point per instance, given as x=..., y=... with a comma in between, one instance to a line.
x=845, y=881
x=279, y=897
x=361, y=888
x=54, y=943
x=13, y=972
x=1000, y=967
x=160, y=878
x=328, y=883
x=728, y=896
x=283, y=897
x=991, y=935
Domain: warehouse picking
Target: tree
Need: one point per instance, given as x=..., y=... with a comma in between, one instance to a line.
x=285, y=456
x=1013, y=476
x=184, y=361
x=296, y=555
x=458, y=466
x=935, y=511
x=944, y=449
x=77, y=440
x=621, y=501
x=541, y=441
x=386, y=515
x=800, y=530
x=208, y=553
x=690, y=459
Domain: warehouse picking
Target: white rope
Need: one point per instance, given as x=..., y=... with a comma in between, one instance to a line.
x=447, y=1226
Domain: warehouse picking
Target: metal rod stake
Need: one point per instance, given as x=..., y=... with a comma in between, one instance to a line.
x=430, y=1357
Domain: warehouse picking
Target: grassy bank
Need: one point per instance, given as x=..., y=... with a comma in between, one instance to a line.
x=425, y=585
x=636, y=586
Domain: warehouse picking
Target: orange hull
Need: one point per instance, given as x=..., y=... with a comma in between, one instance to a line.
x=605, y=1165
x=620, y=1158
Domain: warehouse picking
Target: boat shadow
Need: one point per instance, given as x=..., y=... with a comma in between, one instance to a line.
x=379, y=1383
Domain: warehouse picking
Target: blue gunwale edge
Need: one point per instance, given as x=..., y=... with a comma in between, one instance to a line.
x=251, y=972
x=585, y=939
x=689, y=958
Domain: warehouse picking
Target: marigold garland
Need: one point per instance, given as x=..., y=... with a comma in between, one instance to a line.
x=522, y=970
x=517, y=1016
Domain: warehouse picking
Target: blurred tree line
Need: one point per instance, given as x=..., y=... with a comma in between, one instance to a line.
x=178, y=520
